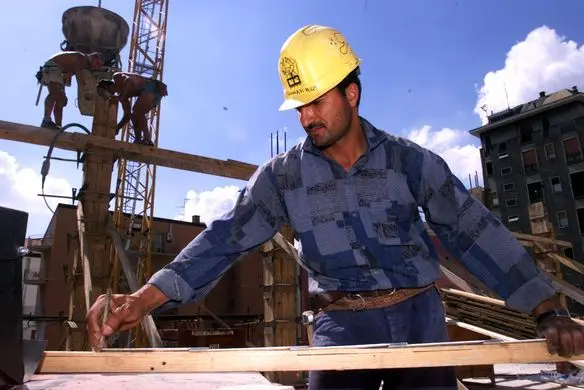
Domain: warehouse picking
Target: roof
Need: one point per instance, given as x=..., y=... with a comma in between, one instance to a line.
x=537, y=106
x=157, y=219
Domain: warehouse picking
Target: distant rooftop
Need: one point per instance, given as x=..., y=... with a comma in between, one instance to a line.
x=542, y=103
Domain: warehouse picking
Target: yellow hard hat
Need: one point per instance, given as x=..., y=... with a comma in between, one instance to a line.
x=313, y=60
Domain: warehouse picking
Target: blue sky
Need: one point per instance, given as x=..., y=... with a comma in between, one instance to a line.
x=424, y=62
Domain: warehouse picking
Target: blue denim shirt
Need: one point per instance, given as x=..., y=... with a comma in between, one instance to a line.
x=360, y=230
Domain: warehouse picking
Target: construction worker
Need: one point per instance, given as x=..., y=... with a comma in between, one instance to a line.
x=351, y=192
x=57, y=73
x=148, y=93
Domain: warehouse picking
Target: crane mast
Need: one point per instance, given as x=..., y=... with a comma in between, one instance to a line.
x=135, y=187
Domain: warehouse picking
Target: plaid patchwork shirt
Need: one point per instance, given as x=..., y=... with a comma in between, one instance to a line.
x=360, y=230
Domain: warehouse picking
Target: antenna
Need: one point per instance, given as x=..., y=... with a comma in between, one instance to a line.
x=506, y=94
x=285, y=128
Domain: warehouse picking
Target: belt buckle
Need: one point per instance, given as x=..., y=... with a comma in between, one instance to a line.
x=358, y=296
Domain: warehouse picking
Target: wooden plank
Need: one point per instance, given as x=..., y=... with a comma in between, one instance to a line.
x=85, y=266
x=161, y=157
x=567, y=289
x=543, y=240
x=457, y=280
x=497, y=336
x=300, y=358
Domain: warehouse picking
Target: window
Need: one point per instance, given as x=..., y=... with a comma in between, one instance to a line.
x=513, y=219
x=550, y=151
x=490, y=169
x=556, y=184
x=546, y=126
x=529, y=158
x=577, y=183
x=572, y=150
x=562, y=219
x=511, y=202
x=503, y=153
x=535, y=192
x=508, y=187
x=488, y=145
x=580, y=215
x=506, y=171
x=525, y=132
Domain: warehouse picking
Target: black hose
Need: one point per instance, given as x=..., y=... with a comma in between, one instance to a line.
x=47, y=163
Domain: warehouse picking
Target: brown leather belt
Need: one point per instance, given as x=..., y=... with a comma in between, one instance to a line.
x=338, y=300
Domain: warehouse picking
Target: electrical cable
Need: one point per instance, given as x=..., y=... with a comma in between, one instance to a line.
x=47, y=163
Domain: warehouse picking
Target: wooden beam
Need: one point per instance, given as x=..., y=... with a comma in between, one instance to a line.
x=497, y=336
x=86, y=266
x=543, y=240
x=457, y=280
x=161, y=157
x=381, y=356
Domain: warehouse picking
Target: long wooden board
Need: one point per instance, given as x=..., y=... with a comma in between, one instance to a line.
x=162, y=157
x=299, y=358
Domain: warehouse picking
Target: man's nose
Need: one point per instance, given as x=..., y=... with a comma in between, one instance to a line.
x=306, y=115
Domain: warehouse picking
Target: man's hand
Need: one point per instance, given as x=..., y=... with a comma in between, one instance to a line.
x=126, y=311
x=563, y=335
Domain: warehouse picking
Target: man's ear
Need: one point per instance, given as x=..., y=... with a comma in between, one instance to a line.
x=352, y=94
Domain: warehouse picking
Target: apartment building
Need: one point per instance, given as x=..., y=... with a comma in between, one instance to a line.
x=532, y=163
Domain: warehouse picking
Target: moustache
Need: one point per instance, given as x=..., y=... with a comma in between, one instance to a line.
x=314, y=125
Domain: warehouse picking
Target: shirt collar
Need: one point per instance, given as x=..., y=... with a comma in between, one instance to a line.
x=373, y=136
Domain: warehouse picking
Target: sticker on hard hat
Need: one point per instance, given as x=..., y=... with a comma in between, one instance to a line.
x=289, y=69
x=303, y=90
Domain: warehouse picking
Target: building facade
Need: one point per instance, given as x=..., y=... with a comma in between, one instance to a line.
x=237, y=300
x=532, y=162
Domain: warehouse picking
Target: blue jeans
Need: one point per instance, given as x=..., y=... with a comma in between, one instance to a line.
x=418, y=320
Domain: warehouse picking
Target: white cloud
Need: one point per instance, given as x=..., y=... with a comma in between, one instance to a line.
x=210, y=204
x=455, y=147
x=544, y=61
x=20, y=186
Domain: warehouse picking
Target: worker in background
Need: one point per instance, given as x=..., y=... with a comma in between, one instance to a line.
x=148, y=93
x=57, y=73
x=351, y=192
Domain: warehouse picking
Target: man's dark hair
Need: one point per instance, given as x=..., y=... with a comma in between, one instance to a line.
x=351, y=78
x=96, y=54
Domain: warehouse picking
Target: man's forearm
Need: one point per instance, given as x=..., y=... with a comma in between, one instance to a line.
x=150, y=297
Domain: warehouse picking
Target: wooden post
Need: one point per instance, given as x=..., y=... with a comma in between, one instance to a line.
x=93, y=215
x=284, y=309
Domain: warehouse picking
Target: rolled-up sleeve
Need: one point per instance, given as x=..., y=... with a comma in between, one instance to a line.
x=257, y=215
x=475, y=236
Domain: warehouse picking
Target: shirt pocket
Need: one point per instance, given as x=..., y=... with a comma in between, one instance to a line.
x=391, y=221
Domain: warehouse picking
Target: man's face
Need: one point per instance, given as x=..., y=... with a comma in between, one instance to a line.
x=96, y=62
x=327, y=119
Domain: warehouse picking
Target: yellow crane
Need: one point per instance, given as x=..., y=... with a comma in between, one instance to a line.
x=135, y=187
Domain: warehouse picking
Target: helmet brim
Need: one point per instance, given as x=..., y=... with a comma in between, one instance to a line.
x=290, y=104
